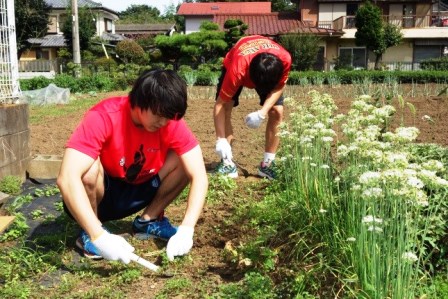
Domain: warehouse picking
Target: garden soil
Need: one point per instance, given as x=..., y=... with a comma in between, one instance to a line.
x=215, y=231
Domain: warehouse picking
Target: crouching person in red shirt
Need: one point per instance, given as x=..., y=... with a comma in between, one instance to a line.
x=129, y=154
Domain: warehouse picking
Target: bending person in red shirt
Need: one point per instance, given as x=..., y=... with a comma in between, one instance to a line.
x=254, y=62
x=130, y=154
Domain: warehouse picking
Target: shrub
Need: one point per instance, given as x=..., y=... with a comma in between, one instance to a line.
x=435, y=64
x=130, y=51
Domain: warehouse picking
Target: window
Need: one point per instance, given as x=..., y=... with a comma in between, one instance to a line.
x=107, y=25
x=42, y=54
x=351, y=12
x=427, y=52
x=355, y=57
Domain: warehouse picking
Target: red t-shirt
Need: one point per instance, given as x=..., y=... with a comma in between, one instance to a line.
x=237, y=63
x=126, y=151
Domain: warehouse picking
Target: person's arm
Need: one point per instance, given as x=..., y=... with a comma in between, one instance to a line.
x=182, y=242
x=219, y=118
x=254, y=119
x=74, y=166
x=221, y=114
x=271, y=99
x=193, y=163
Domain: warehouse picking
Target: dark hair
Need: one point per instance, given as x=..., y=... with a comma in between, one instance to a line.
x=265, y=71
x=162, y=91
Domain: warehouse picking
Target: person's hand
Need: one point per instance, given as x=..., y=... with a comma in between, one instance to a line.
x=223, y=149
x=113, y=247
x=254, y=119
x=180, y=243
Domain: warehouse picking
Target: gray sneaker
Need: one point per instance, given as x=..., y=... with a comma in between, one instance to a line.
x=227, y=170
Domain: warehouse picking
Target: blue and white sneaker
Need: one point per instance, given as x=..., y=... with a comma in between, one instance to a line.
x=267, y=170
x=161, y=229
x=85, y=244
x=226, y=170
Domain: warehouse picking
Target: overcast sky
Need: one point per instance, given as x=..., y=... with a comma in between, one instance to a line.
x=120, y=5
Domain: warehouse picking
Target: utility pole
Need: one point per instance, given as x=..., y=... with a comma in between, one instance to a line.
x=75, y=33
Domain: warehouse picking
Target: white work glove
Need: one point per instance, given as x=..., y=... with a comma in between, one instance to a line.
x=254, y=119
x=223, y=149
x=180, y=243
x=113, y=247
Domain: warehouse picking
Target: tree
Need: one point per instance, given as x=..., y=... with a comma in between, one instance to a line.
x=87, y=29
x=303, y=49
x=140, y=14
x=235, y=29
x=373, y=33
x=206, y=45
x=31, y=17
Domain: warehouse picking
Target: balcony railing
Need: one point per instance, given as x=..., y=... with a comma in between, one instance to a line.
x=405, y=21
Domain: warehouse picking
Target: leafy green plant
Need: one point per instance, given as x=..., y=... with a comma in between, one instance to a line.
x=11, y=185
x=36, y=214
x=16, y=230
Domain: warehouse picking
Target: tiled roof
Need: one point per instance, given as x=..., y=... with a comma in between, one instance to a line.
x=112, y=37
x=273, y=24
x=48, y=41
x=143, y=28
x=63, y=4
x=217, y=8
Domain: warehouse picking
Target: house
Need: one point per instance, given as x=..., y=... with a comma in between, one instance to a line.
x=134, y=31
x=45, y=48
x=424, y=25
x=259, y=18
x=196, y=13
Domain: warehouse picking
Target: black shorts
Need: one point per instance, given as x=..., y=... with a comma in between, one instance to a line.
x=236, y=97
x=122, y=199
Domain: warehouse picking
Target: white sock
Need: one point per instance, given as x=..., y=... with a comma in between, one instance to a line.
x=268, y=158
x=228, y=162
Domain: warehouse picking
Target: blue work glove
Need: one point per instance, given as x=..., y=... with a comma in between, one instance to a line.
x=254, y=119
x=223, y=149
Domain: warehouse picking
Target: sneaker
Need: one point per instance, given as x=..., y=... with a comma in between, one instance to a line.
x=161, y=229
x=267, y=171
x=85, y=244
x=227, y=170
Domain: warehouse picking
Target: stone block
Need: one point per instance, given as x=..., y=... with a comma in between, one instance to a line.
x=44, y=166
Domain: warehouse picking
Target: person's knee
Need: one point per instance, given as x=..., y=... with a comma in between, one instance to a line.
x=275, y=114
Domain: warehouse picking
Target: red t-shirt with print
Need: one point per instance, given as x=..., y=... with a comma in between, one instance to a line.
x=237, y=63
x=126, y=151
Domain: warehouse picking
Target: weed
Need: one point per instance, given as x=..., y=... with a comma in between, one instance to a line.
x=36, y=214
x=11, y=185
x=175, y=287
x=220, y=188
x=47, y=191
x=17, y=229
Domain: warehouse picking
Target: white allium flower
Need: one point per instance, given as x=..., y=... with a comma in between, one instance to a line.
x=324, y=166
x=306, y=158
x=415, y=182
x=375, y=229
x=409, y=256
x=427, y=118
x=322, y=211
x=327, y=139
x=369, y=177
x=374, y=192
x=371, y=219
x=407, y=133
x=313, y=164
x=337, y=179
x=351, y=239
